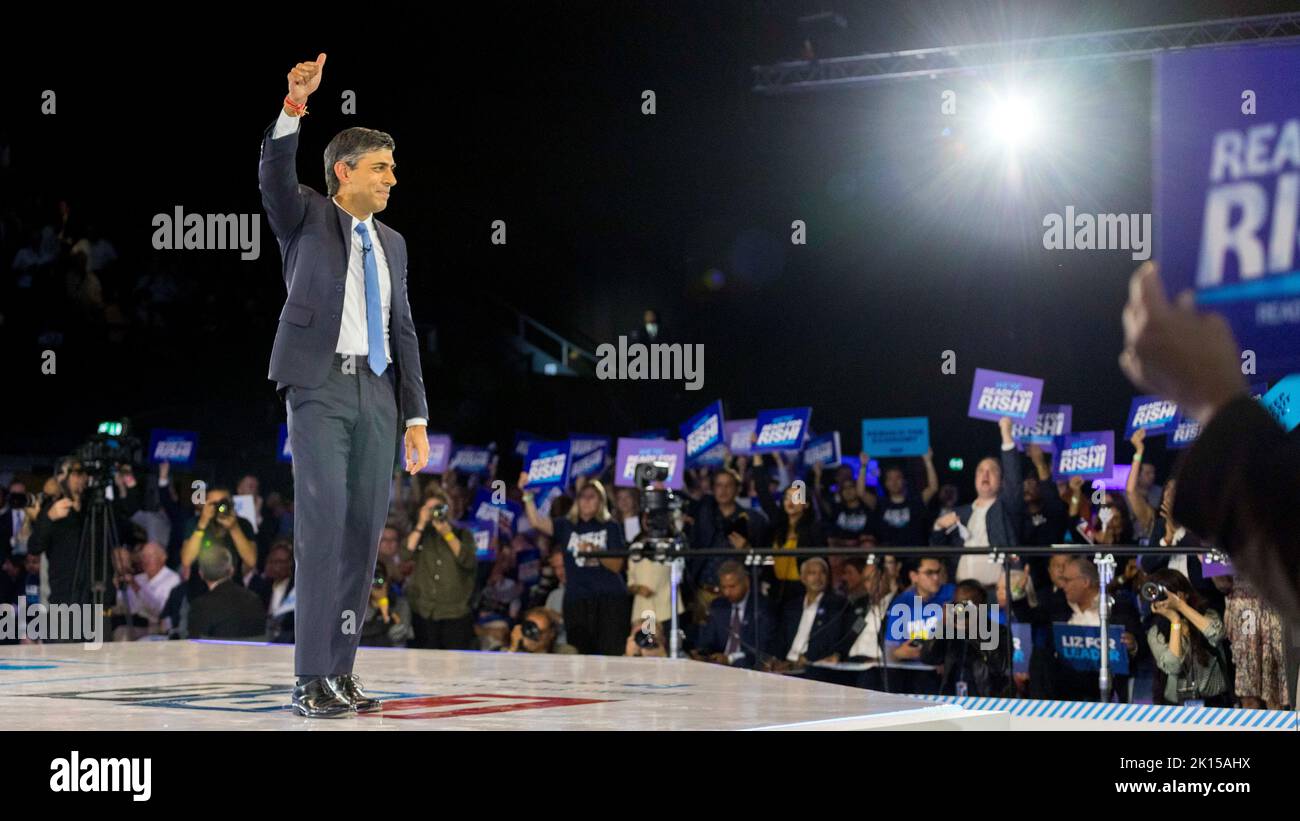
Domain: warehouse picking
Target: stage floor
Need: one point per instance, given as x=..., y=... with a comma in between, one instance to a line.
x=201, y=685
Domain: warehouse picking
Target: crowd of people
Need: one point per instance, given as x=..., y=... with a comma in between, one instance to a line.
x=469, y=563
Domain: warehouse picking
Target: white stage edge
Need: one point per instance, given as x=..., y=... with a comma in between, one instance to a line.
x=200, y=685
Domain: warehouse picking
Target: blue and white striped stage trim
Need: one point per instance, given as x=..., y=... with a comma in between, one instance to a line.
x=1031, y=714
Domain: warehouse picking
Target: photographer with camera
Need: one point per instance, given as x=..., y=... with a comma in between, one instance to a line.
x=720, y=523
x=441, y=582
x=597, y=606
x=217, y=526
x=1186, y=641
x=57, y=531
x=535, y=633
x=968, y=666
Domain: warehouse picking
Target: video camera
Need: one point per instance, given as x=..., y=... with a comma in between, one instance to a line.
x=662, y=508
x=111, y=445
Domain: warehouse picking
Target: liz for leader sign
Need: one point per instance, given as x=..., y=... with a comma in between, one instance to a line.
x=1227, y=190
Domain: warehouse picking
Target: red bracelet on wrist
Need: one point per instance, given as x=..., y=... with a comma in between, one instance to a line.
x=301, y=108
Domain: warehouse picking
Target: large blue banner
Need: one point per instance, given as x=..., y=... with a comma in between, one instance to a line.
x=1227, y=191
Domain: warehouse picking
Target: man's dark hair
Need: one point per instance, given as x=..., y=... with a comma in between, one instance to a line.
x=913, y=565
x=731, y=568
x=978, y=594
x=349, y=146
x=858, y=563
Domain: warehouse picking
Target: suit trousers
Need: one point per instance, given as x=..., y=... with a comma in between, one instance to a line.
x=343, y=437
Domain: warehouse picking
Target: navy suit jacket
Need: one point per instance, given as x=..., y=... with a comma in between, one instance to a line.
x=1003, y=517
x=714, y=635
x=832, y=630
x=315, y=237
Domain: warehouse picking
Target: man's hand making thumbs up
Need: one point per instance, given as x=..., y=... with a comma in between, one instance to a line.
x=304, y=79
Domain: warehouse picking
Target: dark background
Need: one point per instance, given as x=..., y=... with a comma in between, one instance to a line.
x=530, y=113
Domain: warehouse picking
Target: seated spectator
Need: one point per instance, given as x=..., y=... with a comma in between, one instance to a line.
x=740, y=629
x=908, y=622
x=227, y=610
x=815, y=627
x=1186, y=641
x=147, y=593
x=442, y=579
x=275, y=587
x=974, y=665
x=993, y=519
x=535, y=633
x=388, y=619
x=879, y=584
x=555, y=599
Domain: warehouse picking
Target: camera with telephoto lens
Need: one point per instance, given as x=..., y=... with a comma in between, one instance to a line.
x=662, y=507
x=1154, y=592
x=439, y=512
x=646, y=639
x=529, y=630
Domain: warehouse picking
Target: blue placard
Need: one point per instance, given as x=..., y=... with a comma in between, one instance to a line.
x=822, y=450
x=522, y=440
x=1257, y=390
x=174, y=446
x=702, y=431
x=1183, y=434
x=904, y=436
x=471, y=459
x=1022, y=643
x=504, y=515
x=713, y=457
x=1079, y=646
x=1225, y=190
x=483, y=532
x=1052, y=421
x=547, y=464
x=282, y=445
x=781, y=429
x=1153, y=414
x=588, y=464
x=581, y=444
x=1283, y=401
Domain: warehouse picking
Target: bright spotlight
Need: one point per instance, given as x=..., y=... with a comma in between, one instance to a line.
x=1013, y=121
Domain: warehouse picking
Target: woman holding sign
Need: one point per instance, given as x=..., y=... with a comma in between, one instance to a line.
x=597, y=607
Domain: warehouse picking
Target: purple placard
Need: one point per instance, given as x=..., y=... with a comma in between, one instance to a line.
x=439, y=454
x=632, y=452
x=739, y=435
x=1210, y=569
x=1225, y=195
x=1117, y=480
x=1052, y=421
x=1089, y=455
x=995, y=394
x=1153, y=414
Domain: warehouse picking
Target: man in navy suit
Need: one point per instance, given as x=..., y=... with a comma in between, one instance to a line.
x=739, y=629
x=346, y=360
x=817, y=625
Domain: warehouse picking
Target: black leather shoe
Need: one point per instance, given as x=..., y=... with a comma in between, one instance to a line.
x=317, y=699
x=349, y=689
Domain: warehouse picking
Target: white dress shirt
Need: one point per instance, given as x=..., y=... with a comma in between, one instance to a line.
x=975, y=533
x=352, y=325
x=150, y=599
x=800, y=644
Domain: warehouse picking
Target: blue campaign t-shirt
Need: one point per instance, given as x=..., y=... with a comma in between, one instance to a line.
x=588, y=578
x=916, y=623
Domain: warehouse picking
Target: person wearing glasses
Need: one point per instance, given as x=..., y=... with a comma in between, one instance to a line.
x=56, y=534
x=909, y=622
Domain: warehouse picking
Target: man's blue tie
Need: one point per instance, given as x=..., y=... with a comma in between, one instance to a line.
x=374, y=310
